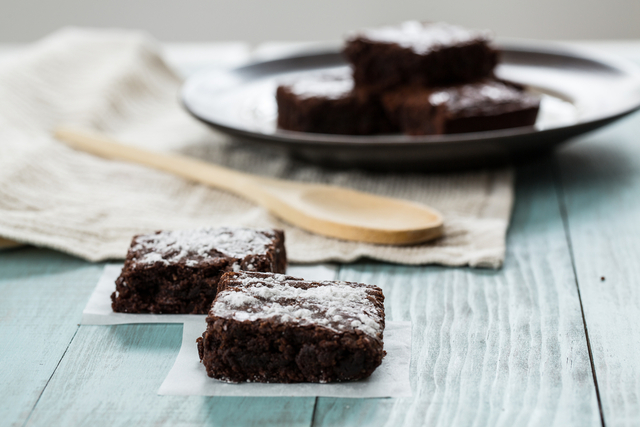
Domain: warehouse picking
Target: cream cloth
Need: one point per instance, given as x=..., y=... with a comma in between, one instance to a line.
x=116, y=82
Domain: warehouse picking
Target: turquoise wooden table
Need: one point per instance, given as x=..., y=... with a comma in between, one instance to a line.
x=553, y=338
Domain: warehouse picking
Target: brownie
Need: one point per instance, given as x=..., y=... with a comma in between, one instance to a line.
x=328, y=103
x=419, y=54
x=474, y=107
x=178, y=271
x=267, y=327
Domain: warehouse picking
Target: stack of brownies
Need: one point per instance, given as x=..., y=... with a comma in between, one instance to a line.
x=416, y=78
x=262, y=326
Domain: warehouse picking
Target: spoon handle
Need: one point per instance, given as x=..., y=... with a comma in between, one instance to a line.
x=206, y=173
x=321, y=209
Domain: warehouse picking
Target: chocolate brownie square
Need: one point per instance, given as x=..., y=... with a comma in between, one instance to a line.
x=178, y=271
x=267, y=327
x=328, y=103
x=480, y=106
x=419, y=54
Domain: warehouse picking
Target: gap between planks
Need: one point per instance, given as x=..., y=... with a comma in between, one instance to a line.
x=557, y=180
x=26, y=421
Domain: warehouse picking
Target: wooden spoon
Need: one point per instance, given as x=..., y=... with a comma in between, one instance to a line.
x=322, y=209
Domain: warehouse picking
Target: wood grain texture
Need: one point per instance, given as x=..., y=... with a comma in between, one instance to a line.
x=43, y=293
x=601, y=183
x=111, y=374
x=489, y=347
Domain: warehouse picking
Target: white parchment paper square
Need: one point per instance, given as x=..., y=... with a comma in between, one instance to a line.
x=98, y=310
x=188, y=376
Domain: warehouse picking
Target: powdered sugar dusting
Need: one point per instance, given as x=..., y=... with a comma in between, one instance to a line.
x=193, y=246
x=331, y=85
x=424, y=37
x=339, y=306
x=473, y=97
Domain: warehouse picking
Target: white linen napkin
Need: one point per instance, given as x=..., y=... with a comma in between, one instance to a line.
x=116, y=82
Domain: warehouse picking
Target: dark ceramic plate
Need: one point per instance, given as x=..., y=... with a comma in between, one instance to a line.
x=581, y=92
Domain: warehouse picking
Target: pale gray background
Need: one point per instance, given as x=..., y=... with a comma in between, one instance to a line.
x=259, y=20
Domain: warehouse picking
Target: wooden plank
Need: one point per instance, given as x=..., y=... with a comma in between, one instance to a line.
x=111, y=375
x=43, y=293
x=489, y=347
x=601, y=183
